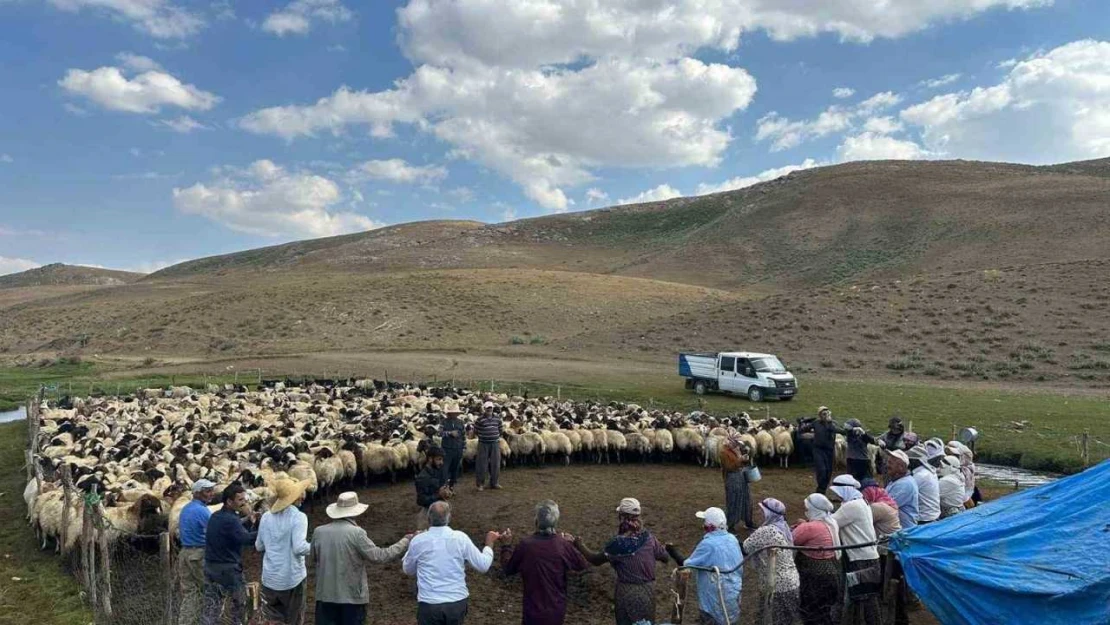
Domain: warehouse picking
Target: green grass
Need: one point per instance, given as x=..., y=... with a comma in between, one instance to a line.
x=19, y=383
x=1049, y=444
x=45, y=593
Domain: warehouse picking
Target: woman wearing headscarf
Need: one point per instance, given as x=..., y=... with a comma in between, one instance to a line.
x=818, y=571
x=951, y=487
x=863, y=572
x=775, y=533
x=884, y=510
x=967, y=469
x=718, y=592
x=735, y=460
x=632, y=553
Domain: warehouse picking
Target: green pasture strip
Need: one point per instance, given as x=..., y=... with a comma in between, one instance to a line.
x=34, y=586
x=1049, y=443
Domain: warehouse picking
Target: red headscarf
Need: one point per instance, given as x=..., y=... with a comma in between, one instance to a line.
x=877, y=494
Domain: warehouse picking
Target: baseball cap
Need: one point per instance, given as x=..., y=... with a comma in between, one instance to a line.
x=629, y=505
x=713, y=516
x=203, y=484
x=901, y=455
x=488, y=404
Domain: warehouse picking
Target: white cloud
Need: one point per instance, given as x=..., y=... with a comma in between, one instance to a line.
x=546, y=129
x=297, y=17
x=154, y=265
x=157, y=18
x=657, y=194
x=1051, y=107
x=146, y=175
x=596, y=197
x=843, y=92
x=546, y=32
x=883, y=125
x=146, y=93
x=398, y=171
x=267, y=200
x=935, y=83
x=508, y=213
x=138, y=63
x=6, y=158
x=746, y=181
x=462, y=194
x=15, y=265
x=183, y=124
x=878, y=102
x=785, y=133
x=871, y=146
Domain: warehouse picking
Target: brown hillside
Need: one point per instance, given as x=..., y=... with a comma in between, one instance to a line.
x=57, y=274
x=822, y=226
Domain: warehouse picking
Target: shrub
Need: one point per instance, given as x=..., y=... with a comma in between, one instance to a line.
x=516, y=340
x=538, y=340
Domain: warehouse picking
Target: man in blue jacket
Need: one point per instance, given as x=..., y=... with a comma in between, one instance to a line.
x=718, y=549
x=223, y=557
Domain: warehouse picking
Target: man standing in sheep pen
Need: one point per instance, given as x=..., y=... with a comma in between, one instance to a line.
x=431, y=485
x=453, y=434
x=190, y=561
x=283, y=542
x=489, y=429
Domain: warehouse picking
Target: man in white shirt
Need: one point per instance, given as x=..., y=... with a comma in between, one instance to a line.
x=438, y=558
x=282, y=540
x=928, y=487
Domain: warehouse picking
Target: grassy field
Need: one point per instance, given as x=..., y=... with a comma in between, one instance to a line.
x=32, y=582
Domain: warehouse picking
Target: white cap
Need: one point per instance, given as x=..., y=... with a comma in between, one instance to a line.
x=203, y=484
x=488, y=404
x=629, y=505
x=901, y=455
x=714, y=517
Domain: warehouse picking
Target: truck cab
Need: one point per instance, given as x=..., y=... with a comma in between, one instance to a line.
x=755, y=375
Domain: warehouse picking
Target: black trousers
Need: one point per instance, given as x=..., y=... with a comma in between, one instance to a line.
x=452, y=464
x=822, y=468
x=859, y=468
x=340, y=613
x=442, y=613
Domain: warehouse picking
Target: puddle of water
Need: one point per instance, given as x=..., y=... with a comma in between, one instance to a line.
x=1009, y=475
x=13, y=415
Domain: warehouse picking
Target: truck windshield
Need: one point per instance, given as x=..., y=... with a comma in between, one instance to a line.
x=768, y=365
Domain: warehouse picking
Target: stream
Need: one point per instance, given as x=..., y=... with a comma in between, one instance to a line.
x=1009, y=475
x=13, y=415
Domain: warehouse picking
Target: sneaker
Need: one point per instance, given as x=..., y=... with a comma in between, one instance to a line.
x=481, y=488
x=496, y=487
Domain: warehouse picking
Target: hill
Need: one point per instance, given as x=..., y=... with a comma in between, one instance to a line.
x=943, y=270
x=820, y=226
x=58, y=274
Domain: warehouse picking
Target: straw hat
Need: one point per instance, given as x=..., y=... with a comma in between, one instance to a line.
x=347, y=506
x=288, y=492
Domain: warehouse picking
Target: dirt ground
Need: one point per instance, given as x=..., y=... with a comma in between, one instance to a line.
x=587, y=496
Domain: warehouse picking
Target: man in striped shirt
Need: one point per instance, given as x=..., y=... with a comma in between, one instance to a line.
x=488, y=427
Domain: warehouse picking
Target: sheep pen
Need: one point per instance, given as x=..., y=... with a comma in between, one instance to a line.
x=122, y=467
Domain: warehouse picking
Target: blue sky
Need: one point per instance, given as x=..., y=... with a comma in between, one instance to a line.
x=138, y=133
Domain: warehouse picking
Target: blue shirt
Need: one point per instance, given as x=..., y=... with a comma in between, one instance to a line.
x=904, y=493
x=192, y=523
x=718, y=549
x=282, y=539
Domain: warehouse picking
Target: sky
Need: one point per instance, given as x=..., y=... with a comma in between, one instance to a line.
x=136, y=134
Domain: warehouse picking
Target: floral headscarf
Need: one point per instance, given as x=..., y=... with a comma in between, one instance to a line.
x=774, y=514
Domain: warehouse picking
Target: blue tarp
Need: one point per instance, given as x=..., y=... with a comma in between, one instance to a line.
x=1040, y=556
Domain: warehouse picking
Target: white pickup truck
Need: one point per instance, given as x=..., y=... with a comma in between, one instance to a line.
x=759, y=376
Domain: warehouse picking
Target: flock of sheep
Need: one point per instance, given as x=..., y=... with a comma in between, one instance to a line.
x=141, y=453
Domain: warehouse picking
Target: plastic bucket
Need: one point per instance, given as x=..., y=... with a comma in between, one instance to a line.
x=968, y=436
x=752, y=475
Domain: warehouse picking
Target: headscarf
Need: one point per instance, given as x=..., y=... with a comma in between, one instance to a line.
x=819, y=508
x=873, y=493
x=631, y=536
x=967, y=466
x=774, y=514
x=846, y=487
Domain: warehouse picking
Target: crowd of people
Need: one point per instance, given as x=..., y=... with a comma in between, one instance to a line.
x=824, y=563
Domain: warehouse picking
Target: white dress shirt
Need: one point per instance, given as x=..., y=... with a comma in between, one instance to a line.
x=438, y=558
x=928, y=495
x=282, y=541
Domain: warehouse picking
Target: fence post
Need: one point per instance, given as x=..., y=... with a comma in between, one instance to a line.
x=67, y=486
x=88, y=551
x=105, y=566
x=167, y=573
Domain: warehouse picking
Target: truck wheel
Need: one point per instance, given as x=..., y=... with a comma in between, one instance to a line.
x=755, y=394
x=699, y=388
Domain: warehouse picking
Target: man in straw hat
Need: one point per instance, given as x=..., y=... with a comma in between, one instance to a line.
x=341, y=550
x=190, y=561
x=438, y=559
x=453, y=434
x=282, y=540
